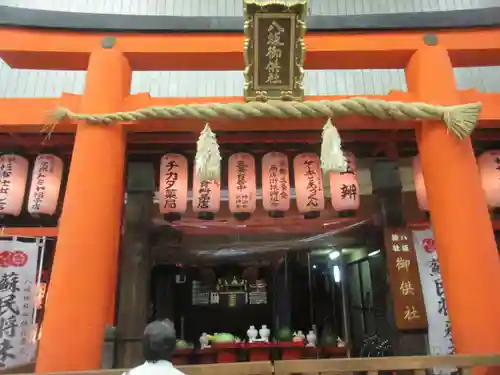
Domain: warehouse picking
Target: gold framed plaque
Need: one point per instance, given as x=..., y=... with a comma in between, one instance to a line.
x=274, y=50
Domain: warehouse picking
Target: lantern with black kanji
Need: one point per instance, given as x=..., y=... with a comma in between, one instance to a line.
x=242, y=185
x=344, y=188
x=275, y=184
x=13, y=178
x=45, y=187
x=173, y=187
x=309, y=192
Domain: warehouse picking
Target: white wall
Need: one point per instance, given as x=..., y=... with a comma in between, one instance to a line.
x=37, y=83
x=234, y=7
x=15, y=83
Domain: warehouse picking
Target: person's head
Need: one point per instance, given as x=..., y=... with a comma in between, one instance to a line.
x=158, y=341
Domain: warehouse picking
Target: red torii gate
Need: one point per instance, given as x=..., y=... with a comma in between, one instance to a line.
x=85, y=265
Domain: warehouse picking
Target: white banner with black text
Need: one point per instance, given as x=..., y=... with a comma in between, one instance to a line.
x=439, y=334
x=18, y=272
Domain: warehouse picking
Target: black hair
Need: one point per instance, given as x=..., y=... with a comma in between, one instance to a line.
x=158, y=341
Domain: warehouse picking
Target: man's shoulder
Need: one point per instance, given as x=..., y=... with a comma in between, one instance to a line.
x=154, y=369
x=133, y=371
x=175, y=371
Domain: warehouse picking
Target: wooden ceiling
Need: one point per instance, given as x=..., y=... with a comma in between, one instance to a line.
x=368, y=143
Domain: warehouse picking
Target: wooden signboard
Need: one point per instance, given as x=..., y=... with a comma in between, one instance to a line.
x=404, y=280
x=274, y=50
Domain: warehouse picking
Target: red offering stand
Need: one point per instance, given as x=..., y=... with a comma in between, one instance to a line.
x=226, y=353
x=291, y=350
x=259, y=351
x=206, y=356
x=181, y=356
x=311, y=352
x=334, y=351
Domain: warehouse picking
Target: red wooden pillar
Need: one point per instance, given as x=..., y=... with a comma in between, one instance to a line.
x=84, y=270
x=463, y=232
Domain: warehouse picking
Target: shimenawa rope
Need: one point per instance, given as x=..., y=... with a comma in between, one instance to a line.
x=460, y=120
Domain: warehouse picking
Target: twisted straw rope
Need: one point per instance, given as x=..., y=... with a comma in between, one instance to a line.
x=461, y=119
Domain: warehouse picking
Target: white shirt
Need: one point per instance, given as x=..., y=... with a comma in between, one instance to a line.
x=155, y=368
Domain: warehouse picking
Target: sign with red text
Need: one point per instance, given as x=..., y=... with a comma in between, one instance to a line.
x=439, y=336
x=18, y=290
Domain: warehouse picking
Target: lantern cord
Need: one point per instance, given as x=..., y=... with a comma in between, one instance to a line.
x=47, y=129
x=207, y=160
x=460, y=120
x=332, y=156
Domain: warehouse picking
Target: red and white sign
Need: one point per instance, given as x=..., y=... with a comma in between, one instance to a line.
x=439, y=333
x=18, y=269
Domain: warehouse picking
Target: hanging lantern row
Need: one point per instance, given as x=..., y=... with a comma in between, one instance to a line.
x=242, y=186
x=489, y=172
x=44, y=188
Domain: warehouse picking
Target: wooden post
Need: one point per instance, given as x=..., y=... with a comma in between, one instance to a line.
x=85, y=260
x=462, y=228
x=135, y=264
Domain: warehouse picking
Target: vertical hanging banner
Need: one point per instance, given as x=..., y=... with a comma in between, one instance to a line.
x=440, y=340
x=404, y=280
x=18, y=268
x=274, y=50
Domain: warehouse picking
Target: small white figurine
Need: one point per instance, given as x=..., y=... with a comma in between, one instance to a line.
x=264, y=333
x=204, y=341
x=252, y=334
x=298, y=337
x=311, y=339
x=301, y=335
x=340, y=342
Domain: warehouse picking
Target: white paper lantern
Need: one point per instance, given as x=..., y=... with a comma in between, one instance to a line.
x=45, y=185
x=173, y=193
x=13, y=178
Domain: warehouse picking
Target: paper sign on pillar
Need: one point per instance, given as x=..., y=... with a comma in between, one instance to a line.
x=439, y=334
x=18, y=268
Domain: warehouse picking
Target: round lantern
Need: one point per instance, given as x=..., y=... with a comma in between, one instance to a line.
x=308, y=185
x=242, y=185
x=344, y=188
x=418, y=180
x=13, y=178
x=173, y=187
x=489, y=172
x=45, y=185
x=206, y=197
x=275, y=184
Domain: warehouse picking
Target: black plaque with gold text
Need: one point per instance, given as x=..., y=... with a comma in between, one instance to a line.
x=274, y=50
